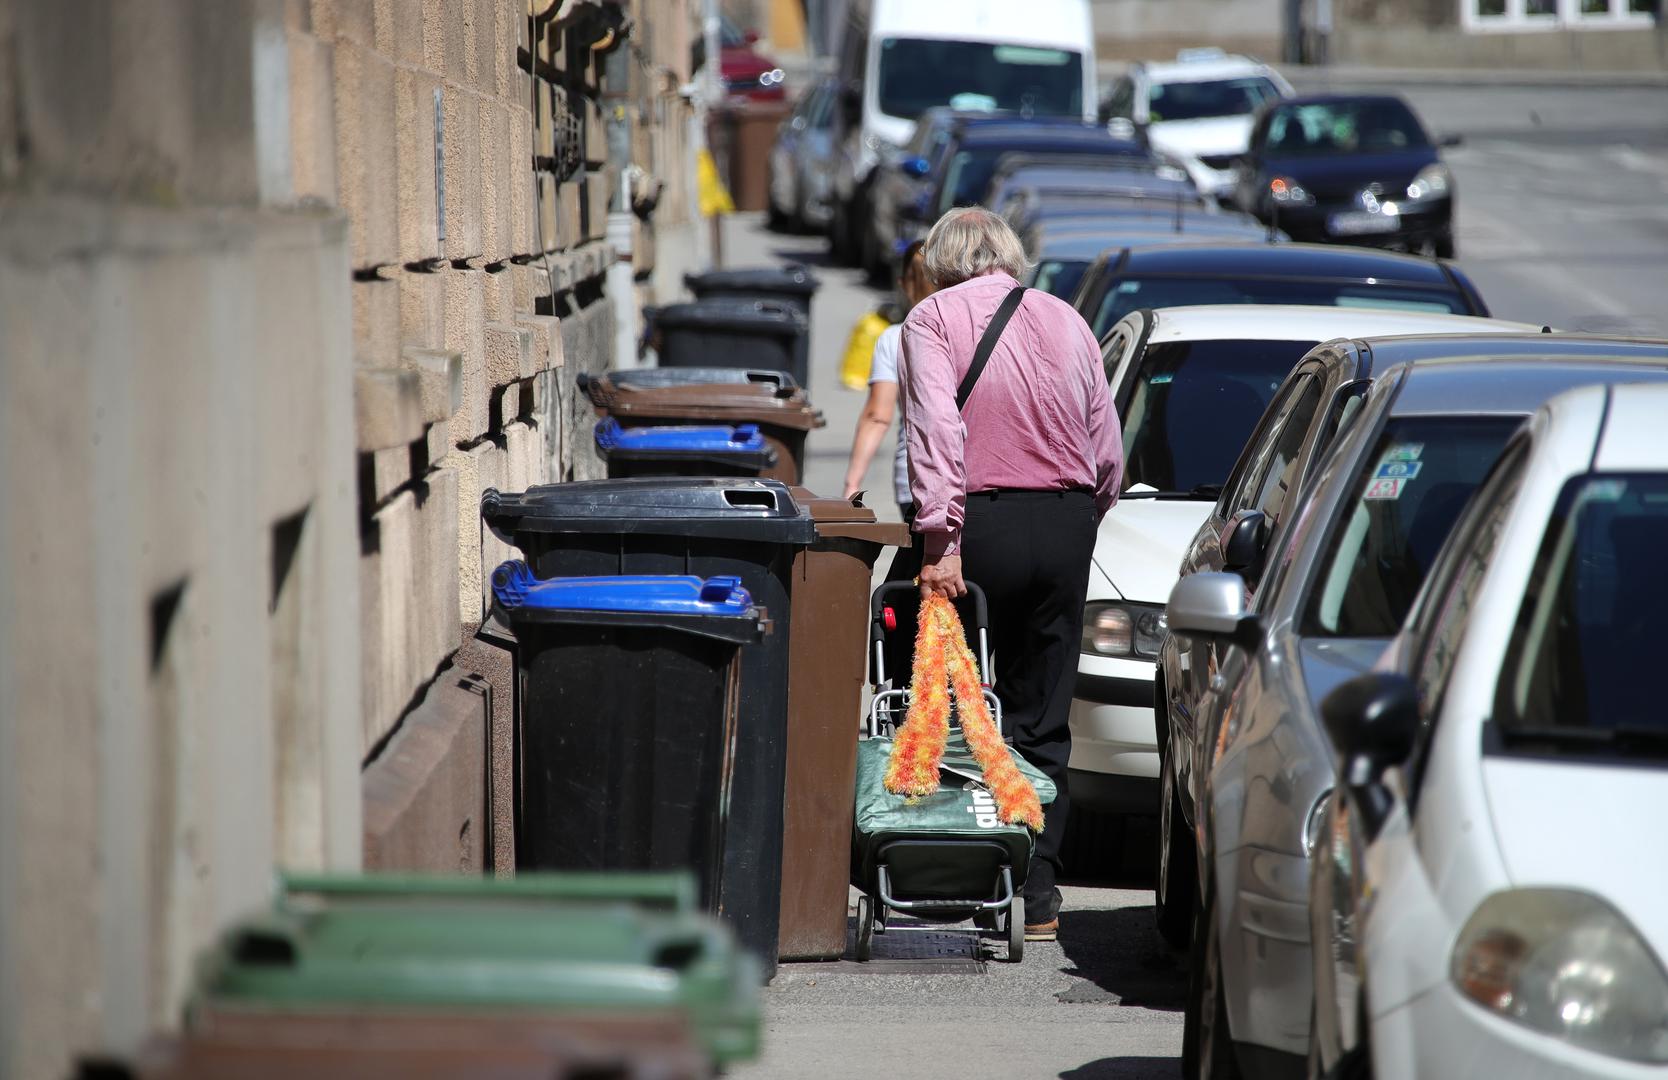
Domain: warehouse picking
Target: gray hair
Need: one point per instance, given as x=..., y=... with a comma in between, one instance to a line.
x=970, y=241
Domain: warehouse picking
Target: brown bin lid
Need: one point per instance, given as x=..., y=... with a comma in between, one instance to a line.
x=840, y=518
x=758, y=403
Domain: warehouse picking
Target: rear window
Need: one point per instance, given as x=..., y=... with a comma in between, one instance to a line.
x=1405, y=501
x=1579, y=677
x=1059, y=277
x=1131, y=293
x=1191, y=407
x=1198, y=100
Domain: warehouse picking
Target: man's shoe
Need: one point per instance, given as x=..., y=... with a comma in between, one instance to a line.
x=1047, y=931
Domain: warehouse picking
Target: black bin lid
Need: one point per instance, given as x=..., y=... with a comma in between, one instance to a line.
x=659, y=378
x=723, y=313
x=791, y=280
x=713, y=508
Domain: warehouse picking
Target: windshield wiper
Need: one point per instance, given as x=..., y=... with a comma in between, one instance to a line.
x=1650, y=741
x=1198, y=491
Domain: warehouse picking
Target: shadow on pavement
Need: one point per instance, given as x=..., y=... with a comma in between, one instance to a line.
x=1125, y=1068
x=1121, y=960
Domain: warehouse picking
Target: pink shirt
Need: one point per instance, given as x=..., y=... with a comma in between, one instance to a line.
x=1040, y=418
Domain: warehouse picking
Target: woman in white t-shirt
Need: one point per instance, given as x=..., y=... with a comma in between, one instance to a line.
x=882, y=405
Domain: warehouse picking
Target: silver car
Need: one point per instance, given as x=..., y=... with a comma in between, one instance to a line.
x=802, y=162
x=1337, y=578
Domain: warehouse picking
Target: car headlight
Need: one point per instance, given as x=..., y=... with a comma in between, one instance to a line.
x=1123, y=629
x=1289, y=192
x=1566, y=964
x=773, y=77
x=1432, y=182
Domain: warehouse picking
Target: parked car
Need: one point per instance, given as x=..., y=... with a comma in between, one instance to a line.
x=961, y=176
x=1063, y=249
x=801, y=162
x=1505, y=792
x=746, y=72
x=904, y=178
x=1032, y=179
x=1166, y=276
x=1198, y=108
x=1352, y=169
x=899, y=58
x=1318, y=574
x=1189, y=385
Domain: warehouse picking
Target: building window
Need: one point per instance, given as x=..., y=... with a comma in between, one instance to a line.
x=1527, y=15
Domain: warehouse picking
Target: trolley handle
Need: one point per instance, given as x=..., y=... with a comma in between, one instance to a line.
x=877, y=603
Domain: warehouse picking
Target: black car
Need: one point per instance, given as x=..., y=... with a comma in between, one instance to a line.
x=1123, y=280
x=1355, y=169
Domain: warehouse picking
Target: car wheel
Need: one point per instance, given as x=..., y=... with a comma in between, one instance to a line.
x=1207, y=1045
x=1175, y=883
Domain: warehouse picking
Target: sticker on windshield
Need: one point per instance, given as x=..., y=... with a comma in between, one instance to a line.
x=1405, y=452
x=1397, y=470
x=1384, y=489
x=1160, y=380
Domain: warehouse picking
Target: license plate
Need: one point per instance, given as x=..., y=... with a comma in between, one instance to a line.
x=1357, y=222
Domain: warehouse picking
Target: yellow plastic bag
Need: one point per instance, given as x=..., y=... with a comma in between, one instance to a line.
x=860, y=350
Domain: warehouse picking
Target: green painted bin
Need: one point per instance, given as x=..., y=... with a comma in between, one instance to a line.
x=577, y=945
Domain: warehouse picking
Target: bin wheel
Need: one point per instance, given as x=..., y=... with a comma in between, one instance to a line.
x=1016, y=930
x=865, y=928
x=985, y=919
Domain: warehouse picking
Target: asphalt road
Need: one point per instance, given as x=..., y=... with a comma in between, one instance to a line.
x=1562, y=220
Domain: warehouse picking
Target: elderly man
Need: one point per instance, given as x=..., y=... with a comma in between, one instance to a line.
x=1014, y=457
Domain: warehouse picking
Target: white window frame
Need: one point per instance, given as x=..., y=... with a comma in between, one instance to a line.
x=1568, y=16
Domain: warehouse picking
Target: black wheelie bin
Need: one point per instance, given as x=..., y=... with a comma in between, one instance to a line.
x=791, y=284
x=749, y=529
x=723, y=332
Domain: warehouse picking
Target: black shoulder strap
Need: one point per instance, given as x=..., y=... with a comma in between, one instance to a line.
x=987, y=344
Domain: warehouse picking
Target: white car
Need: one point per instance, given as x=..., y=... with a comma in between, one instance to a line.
x=1189, y=385
x=1488, y=895
x=1197, y=109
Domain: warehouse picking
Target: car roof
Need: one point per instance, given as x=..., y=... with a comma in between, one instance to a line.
x=1293, y=322
x=1225, y=67
x=1631, y=439
x=1338, y=99
x=1287, y=260
x=1087, y=245
x=1020, y=134
x=1507, y=374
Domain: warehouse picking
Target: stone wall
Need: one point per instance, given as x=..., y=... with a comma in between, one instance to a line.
x=285, y=284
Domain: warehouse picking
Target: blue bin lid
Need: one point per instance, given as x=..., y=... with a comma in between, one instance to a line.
x=706, y=439
x=516, y=588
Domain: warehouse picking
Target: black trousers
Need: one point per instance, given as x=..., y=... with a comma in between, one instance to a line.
x=1030, y=552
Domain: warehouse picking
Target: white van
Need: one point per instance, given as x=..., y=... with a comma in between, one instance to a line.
x=899, y=58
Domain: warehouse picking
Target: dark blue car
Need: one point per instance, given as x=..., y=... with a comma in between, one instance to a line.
x=1353, y=169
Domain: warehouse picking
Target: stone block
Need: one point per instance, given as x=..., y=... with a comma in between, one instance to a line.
x=532, y=285
x=479, y=552
x=570, y=226
x=312, y=119
x=441, y=373
x=546, y=334
x=425, y=795
x=506, y=410
x=598, y=187
x=423, y=309
x=642, y=247
x=387, y=408
x=524, y=455
x=376, y=323
x=408, y=597
x=499, y=292
x=466, y=334
x=443, y=39
x=439, y=442
x=509, y=354
x=366, y=152
x=354, y=20
x=419, y=212
x=399, y=32
x=522, y=202
x=461, y=132
x=549, y=227
x=496, y=180
x=497, y=666
x=544, y=121
x=509, y=30
x=389, y=470
x=595, y=130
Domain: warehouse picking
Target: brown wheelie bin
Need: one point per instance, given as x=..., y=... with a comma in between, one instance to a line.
x=827, y=658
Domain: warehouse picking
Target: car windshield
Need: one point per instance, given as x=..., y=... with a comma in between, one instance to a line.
x=1198, y=100
x=917, y=74
x=1374, y=126
x=1191, y=407
x=1059, y=277
x=1132, y=293
x=1579, y=674
x=1401, y=508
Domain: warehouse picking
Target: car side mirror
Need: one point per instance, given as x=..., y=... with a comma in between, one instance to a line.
x=1242, y=541
x=1212, y=606
x=1451, y=140
x=1373, y=721
x=915, y=166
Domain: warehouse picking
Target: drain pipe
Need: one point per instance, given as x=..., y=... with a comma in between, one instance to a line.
x=622, y=278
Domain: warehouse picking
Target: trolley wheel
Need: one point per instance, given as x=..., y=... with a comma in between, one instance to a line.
x=1016, y=930
x=865, y=928
x=985, y=919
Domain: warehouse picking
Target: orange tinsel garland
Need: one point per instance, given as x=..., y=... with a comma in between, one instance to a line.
x=942, y=656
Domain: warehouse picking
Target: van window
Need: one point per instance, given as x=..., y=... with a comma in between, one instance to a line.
x=917, y=74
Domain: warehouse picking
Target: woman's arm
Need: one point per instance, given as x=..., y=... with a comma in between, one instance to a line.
x=871, y=430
